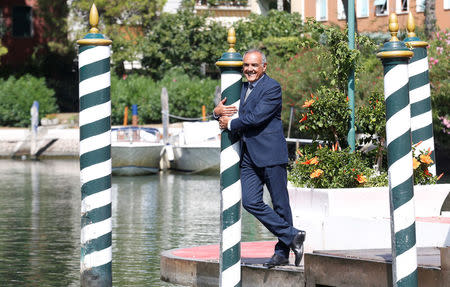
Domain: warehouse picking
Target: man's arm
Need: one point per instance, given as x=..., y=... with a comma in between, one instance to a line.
x=221, y=110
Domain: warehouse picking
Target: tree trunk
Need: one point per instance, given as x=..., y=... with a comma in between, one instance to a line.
x=430, y=17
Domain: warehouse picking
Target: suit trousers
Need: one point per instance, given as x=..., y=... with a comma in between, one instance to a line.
x=279, y=219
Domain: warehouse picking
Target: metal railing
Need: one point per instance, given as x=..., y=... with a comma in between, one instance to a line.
x=229, y=3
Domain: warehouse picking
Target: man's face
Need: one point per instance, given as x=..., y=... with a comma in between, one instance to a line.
x=253, y=67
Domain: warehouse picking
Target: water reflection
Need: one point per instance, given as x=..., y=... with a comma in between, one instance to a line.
x=40, y=222
x=39, y=209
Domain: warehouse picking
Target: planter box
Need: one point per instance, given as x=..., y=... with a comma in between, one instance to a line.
x=358, y=218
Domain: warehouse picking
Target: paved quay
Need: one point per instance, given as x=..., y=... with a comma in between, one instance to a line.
x=56, y=141
x=199, y=266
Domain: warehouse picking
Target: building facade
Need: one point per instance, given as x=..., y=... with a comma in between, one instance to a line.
x=21, y=30
x=371, y=15
x=225, y=11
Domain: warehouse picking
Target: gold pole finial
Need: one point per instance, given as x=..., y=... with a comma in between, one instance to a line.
x=93, y=19
x=231, y=40
x=393, y=27
x=410, y=26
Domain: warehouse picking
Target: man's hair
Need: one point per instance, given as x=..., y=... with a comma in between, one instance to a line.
x=264, y=60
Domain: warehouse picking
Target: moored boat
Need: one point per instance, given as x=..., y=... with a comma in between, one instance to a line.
x=197, y=148
x=135, y=150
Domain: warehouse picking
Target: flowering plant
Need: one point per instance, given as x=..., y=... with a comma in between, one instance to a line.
x=421, y=163
x=328, y=167
x=326, y=116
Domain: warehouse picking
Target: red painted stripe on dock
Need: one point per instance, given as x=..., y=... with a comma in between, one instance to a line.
x=445, y=220
x=262, y=249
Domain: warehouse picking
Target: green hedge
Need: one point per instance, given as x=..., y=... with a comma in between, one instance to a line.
x=17, y=96
x=186, y=96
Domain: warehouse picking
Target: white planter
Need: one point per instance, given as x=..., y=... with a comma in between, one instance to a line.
x=357, y=218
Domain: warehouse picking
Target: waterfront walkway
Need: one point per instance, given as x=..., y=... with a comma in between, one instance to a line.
x=199, y=266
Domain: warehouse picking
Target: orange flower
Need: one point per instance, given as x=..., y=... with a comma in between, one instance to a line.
x=439, y=177
x=416, y=163
x=427, y=172
x=361, y=178
x=311, y=112
x=425, y=158
x=299, y=153
x=314, y=160
x=417, y=144
x=312, y=96
x=311, y=161
x=307, y=104
x=305, y=117
x=429, y=151
x=316, y=173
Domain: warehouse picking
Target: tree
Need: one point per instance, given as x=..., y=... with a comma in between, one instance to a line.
x=3, y=49
x=124, y=22
x=122, y=12
x=430, y=17
x=185, y=40
x=54, y=14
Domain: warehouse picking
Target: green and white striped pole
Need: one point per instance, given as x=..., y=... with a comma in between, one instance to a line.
x=230, y=65
x=419, y=94
x=95, y=156
x=395, y=56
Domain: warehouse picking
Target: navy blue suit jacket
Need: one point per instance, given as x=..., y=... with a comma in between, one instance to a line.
x=259, y=123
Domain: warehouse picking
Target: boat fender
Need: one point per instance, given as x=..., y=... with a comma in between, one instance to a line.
x=169, y=152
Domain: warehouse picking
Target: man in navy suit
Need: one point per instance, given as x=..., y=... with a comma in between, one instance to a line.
x=264, y=155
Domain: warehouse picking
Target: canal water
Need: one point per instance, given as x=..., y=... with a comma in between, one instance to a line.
x=40, y=222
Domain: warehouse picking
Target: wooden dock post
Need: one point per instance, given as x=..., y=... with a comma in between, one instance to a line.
x=34, y=111
x=165, y=113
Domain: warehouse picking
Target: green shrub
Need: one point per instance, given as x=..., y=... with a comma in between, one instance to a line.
x=324, y=167
x=298, y=79
x=439, y=65
x=283, y=47
x=186, y=96
x=17, y=96
x=327, y=116
x=135, y=90
x=251, y=32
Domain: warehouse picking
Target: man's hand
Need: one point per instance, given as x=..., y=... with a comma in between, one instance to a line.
x=221, y=110
x=223, y=122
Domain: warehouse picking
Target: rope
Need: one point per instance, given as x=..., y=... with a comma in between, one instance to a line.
x=186, y=119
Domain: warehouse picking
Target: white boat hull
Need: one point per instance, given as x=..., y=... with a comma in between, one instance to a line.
x=198, y=159
x=135, y=158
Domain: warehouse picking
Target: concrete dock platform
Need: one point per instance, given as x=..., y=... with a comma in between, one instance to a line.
x=199, y=266
x=373, y=267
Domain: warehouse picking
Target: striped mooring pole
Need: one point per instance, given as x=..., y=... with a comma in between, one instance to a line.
x=419, y=94
x=230, y=65
x=395, y=56
x=95, y=156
